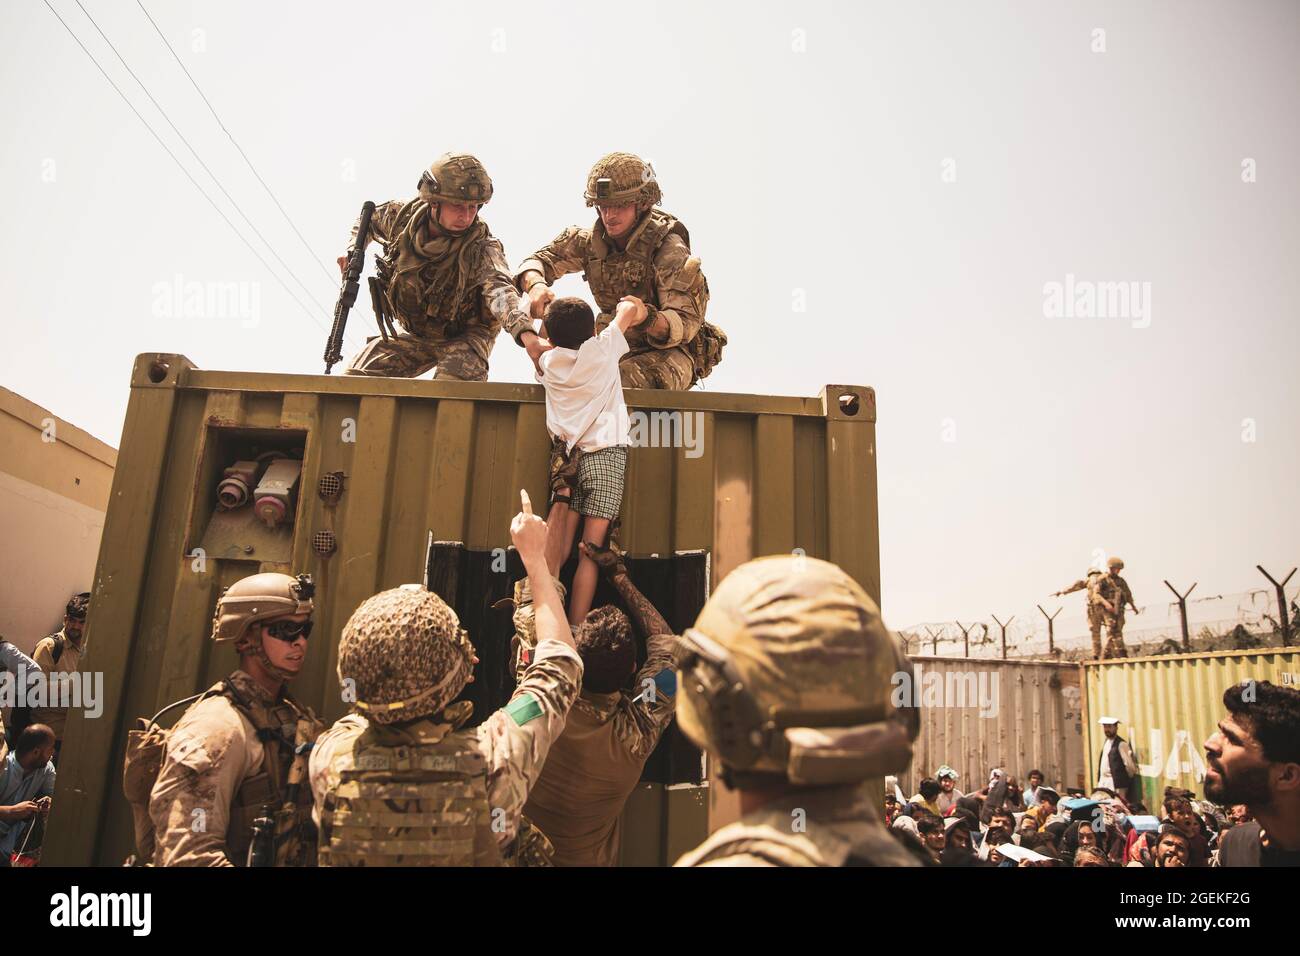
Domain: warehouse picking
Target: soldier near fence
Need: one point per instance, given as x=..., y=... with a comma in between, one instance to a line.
x=1114, y=594
x=786, y=680
x=639, y=252
x=442, y=279
x=1090, y=583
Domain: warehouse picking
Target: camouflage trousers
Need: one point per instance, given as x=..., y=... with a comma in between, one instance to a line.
x=1114, y=634
x=672, y=369
x=461, y=359
x=1094, y=628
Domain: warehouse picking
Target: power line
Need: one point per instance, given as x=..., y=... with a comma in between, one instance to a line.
x=199, y=159
x=312, y=315
x=170, y=49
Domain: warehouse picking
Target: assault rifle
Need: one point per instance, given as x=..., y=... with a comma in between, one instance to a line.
x=348, y=293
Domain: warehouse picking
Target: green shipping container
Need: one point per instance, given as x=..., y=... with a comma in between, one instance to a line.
x=386, y=467
x=1169, y=706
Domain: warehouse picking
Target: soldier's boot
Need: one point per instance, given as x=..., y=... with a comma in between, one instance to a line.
x=564, y=472
x=524, y=642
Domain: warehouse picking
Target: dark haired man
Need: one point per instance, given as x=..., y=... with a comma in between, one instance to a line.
x=26, y=785
x=1254, y=758
x=613, y=726
x=60, y=654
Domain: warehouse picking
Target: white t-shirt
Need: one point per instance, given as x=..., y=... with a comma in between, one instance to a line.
x=584, y=393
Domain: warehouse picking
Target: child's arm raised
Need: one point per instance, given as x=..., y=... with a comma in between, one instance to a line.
x=629, y=313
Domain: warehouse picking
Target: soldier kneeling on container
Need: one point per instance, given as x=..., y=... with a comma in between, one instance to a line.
x=398, y=783
x=239, y=753
x=786, y=681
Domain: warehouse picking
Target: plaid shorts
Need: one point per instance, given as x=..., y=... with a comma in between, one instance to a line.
x=600, y=482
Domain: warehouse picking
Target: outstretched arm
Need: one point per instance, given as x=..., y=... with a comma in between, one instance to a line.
x=644, y=615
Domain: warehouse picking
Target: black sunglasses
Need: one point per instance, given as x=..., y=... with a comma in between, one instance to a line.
x=290, y=631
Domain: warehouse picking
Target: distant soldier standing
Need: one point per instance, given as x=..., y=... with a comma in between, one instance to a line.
x=398, y=782
x=241, y=750
x=786, y=681
x=1114, y=594
x=1090, y=583
x=638, y=252
x=443, y=278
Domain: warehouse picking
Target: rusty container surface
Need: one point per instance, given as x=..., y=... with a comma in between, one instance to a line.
x=977, y=714
x=1169, y=706
x=385, y=463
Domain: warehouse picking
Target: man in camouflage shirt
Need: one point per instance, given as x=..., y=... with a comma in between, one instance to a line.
x=612, y=730
x=398, y=782
x=443, y=278
x=639, y=253
x=1113, y=592
x=1089, y=583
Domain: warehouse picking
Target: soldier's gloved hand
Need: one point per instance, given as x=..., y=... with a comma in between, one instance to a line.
x=539, y=297
x=608, y=559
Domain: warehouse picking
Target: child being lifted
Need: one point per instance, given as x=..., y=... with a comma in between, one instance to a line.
x=587, y=419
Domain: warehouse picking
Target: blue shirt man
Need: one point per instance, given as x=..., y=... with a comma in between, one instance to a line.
x=26, y=785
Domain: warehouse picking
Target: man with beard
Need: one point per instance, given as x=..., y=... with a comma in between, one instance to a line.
x=1254, y=758
x=1117, y=767
x=443, y=278
x=1171, y=849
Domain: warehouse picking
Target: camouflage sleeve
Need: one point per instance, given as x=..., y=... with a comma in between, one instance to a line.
x=679, y=288
x=322, y=768
x=517, y=738
x=643, y=717
x=500, y=294
x=381, y=223
x=1127, y=594
x=566, y=253
x=208, y=756
x=1076, y=586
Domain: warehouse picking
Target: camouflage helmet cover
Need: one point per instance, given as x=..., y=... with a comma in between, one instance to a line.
x=621, y=178
x=1115, y=564
x=405, y=653
x=456, y=177
x=258, y=598
x=810, y=649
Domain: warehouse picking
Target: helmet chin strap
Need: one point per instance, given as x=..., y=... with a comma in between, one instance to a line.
x=254, y=647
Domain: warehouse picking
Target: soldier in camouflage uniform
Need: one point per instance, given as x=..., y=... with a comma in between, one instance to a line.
x=615, y=724
x=443, y=276
x=1090, y=582
x=634, y=251
x=1114, y=593
x=786, y=682
x=243, y=745
x=398, y=783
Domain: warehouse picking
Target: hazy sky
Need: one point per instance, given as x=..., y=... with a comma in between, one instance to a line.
x=912, y=176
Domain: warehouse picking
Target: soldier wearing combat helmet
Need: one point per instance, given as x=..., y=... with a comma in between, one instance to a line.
x=442, y=278
x=240, y=751
x=786, y=682
x=1114, y=594
x=400, y=782
x=638, y=253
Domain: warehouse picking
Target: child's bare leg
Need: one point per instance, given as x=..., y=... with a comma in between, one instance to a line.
x=583, y=592
x=561, y=523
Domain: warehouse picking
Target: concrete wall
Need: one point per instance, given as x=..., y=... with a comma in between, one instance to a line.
x=54, y=488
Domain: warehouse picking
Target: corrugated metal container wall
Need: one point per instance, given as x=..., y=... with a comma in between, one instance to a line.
x=1169, y=706
x=769, y=475
x=1022, y=715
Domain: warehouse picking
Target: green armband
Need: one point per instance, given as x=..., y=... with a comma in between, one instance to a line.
x=523, y=709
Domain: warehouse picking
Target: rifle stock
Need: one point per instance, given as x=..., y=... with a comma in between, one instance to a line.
x=348, y=292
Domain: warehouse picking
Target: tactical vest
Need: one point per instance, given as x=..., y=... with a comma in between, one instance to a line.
x=424, y=300
x=280, y=728
x=615, y=273
x=612, y=274
x=409, y=796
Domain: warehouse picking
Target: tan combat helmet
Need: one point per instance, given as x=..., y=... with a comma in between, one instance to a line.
x=788, y=673
x=621, y=178
x=260, y=597
x=1115, y=564
x=456, y=177
x=405, y=654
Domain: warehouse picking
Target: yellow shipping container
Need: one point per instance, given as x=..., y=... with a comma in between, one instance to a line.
x=1169, y=706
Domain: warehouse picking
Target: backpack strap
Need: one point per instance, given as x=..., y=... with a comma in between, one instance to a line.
x=60, y=642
